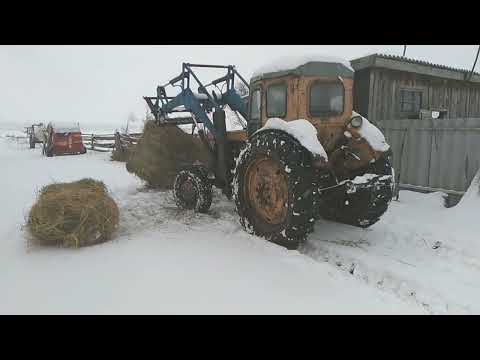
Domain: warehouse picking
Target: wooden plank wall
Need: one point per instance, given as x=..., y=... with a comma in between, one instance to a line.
x=461, y=99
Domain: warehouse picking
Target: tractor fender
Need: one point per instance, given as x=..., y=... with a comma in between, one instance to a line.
x=302, y=131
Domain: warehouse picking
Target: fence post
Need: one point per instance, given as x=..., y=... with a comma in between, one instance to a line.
x=433, y=138
x=117, y=141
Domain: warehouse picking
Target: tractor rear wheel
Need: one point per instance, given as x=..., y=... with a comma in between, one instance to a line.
x=359, y=209
x=49, y=150
x=192, y=189
x=273, y=188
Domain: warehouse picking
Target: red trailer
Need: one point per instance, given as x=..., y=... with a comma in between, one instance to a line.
x=64, y=140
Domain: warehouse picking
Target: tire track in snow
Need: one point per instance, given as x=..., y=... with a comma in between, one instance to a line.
x=143, y=208
x=387, y=256
x=396, y=259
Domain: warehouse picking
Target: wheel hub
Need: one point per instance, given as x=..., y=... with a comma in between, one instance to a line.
x=188, y=192
x=267, y=190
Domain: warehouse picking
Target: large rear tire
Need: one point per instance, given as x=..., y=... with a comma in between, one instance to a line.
x=192, y=189
x=273, y=188
x=49, y=150
x=359, y=209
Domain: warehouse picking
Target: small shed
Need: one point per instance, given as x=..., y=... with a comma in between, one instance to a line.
x=390, y=87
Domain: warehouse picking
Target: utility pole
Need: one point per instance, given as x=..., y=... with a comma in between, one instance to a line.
x=404, y=50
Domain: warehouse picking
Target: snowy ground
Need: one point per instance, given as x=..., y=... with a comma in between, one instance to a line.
x=414, y=261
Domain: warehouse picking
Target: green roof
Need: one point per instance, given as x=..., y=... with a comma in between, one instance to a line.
x=310, y=68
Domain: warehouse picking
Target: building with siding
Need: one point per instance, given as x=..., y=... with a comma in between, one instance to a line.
x=393, y=87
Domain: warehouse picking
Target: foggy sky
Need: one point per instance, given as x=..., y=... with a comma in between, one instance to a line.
x=103, y=84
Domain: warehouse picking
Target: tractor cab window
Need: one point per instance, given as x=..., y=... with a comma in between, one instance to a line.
x=255, y=104
x=277, y=100
x=326, y=99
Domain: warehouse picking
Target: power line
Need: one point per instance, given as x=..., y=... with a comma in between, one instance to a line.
x=474, y=64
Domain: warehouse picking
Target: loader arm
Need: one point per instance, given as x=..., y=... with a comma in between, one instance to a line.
x=198, y=105
x=187, y=99
x=235, y=102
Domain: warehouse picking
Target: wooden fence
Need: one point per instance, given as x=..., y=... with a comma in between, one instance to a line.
x=102, y=143
x=434, y=154
x=108, y=142
x=126, y=141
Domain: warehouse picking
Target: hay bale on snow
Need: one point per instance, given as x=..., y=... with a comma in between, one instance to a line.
x=73, y=214
x=162, y=151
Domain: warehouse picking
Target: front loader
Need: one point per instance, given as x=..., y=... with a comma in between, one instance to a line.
x=303, y=154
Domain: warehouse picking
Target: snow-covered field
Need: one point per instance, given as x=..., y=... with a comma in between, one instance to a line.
x=420, y=258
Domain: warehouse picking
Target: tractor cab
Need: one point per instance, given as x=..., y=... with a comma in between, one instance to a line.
x=321, y=92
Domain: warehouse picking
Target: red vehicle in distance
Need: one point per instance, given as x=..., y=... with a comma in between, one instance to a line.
x=64, y=139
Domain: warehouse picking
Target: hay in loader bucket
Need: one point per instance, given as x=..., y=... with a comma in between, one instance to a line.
x=75, y=214
x=162, y=151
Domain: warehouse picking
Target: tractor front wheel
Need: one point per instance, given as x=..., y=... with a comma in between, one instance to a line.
x=192, y=189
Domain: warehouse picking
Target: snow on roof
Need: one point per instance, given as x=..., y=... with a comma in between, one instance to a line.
x=395, y=62
x=421, y=62
x=292, y=62
x=65, y=127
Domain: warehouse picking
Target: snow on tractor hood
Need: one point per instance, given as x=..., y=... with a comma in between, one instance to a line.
x=300, y=129
x=372, y=134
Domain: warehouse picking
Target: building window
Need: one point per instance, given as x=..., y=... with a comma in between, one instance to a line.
x=326, y=99
x=256, y=105
x=277, y=100
x=410, y=101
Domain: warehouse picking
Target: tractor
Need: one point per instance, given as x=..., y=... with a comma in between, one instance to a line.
x=303, y=153
x=36, y=134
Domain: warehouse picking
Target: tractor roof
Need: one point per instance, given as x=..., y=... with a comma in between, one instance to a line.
x=305, y=66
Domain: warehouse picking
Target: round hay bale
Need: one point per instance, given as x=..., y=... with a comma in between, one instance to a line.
x=75, y=214
x=162, y=151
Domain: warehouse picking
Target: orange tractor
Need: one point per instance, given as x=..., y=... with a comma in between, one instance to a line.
x=303, y=153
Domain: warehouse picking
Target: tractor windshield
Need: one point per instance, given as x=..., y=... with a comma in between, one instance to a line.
x=326, y=99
